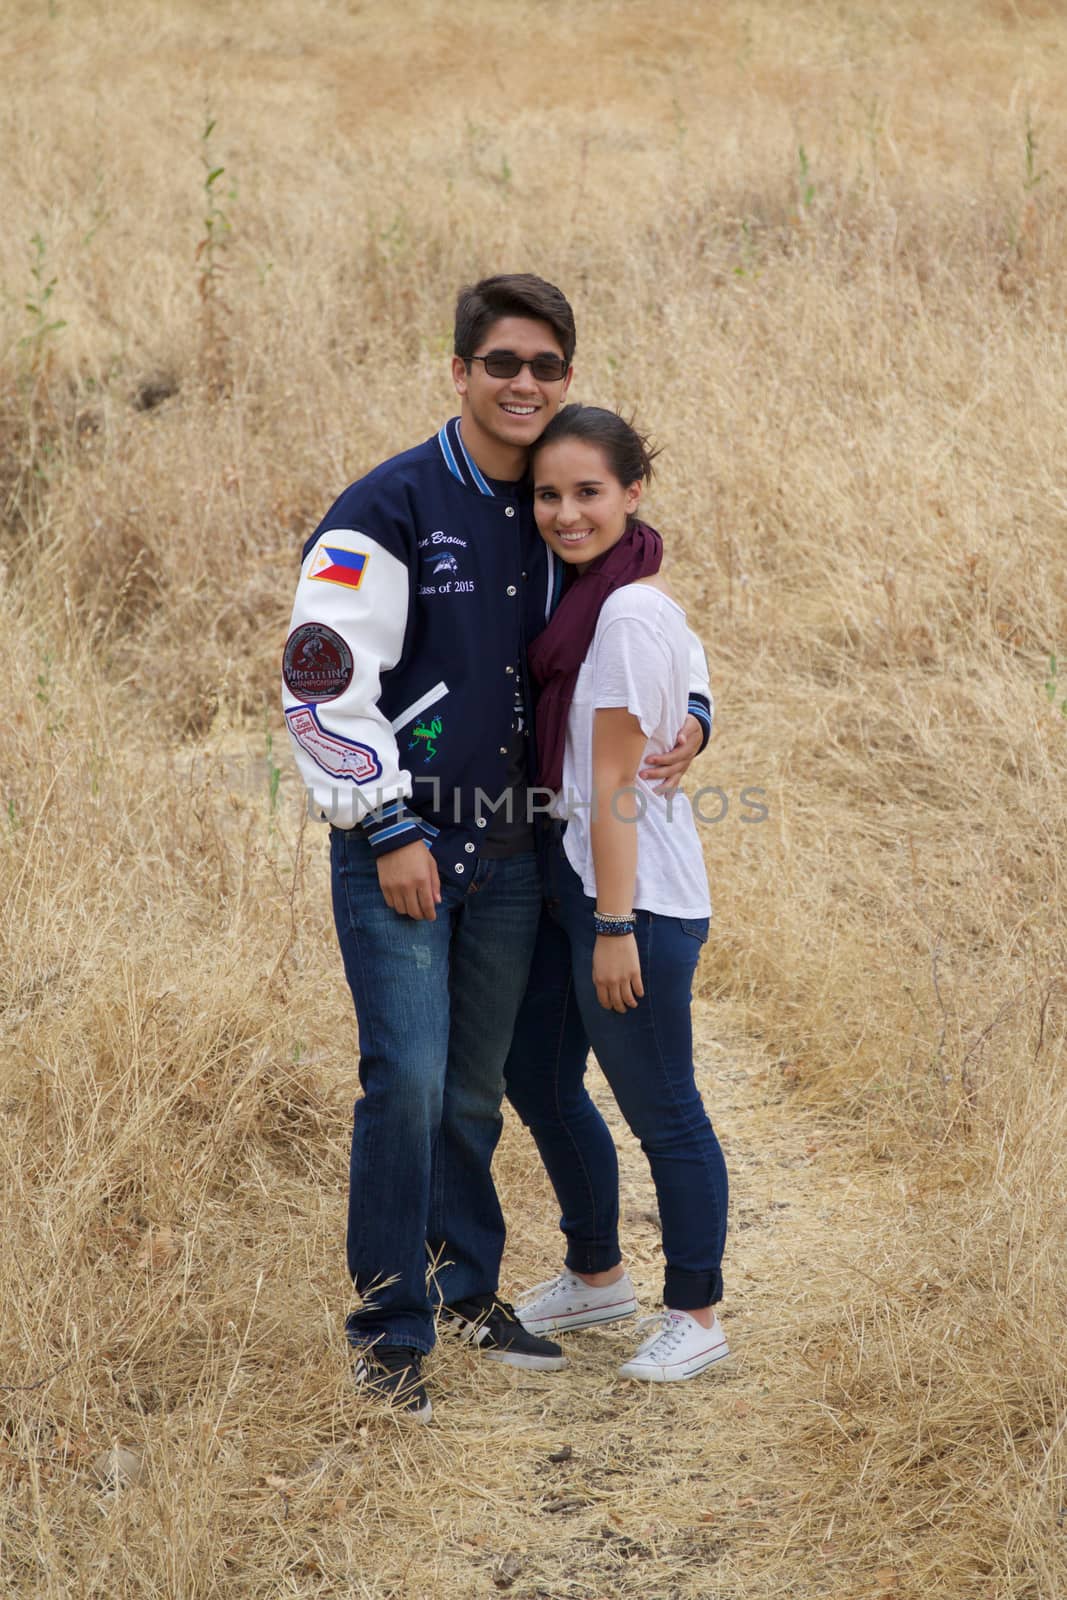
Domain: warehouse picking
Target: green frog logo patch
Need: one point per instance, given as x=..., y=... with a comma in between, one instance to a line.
x=425, y=735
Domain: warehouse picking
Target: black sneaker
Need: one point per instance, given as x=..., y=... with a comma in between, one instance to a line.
x=492, y=1326
x=393, y=1373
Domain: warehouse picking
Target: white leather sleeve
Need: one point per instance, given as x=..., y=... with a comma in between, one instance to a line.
x=344, y=746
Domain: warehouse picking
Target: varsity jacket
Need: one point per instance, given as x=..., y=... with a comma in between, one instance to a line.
x=419, y=593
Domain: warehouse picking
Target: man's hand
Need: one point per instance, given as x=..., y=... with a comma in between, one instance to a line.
x=410, y=882
x=668, y=770
x=617, y=972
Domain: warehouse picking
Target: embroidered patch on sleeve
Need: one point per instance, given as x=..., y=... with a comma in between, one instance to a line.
x=331, y=564
x=317, y=664
x=340, y=757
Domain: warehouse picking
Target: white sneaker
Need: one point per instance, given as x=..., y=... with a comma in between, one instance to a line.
x=566, y=1302
x=678, y=1347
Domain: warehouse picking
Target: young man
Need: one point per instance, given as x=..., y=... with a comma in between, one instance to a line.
x=407, y=701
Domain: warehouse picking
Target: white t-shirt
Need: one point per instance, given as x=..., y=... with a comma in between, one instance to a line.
x=639, y=658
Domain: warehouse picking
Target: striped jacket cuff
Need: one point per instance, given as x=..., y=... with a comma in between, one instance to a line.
x=391, y=827
x=700, y=708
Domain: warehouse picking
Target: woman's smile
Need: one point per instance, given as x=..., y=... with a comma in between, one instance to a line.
x=582, y=509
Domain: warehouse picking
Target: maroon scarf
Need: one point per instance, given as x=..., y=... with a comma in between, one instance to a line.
x=556, y=654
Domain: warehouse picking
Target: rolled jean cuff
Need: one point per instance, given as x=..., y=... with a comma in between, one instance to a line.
x=690, y=1291
x=404, y=1334
x=592, y=1257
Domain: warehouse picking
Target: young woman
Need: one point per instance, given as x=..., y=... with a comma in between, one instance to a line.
x=626, y=911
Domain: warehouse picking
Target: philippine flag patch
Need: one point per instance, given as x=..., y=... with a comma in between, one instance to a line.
x=331, y=564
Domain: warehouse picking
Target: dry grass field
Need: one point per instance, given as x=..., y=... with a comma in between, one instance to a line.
x=821, y=248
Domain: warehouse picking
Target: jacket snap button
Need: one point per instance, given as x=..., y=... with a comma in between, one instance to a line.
x=460, y=867
x=509, y=511
x=503, y=749
x=469, y=849
x=512, y=589
x=509, y=671
x=481, y=822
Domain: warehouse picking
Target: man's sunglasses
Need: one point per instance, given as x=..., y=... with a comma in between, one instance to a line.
x=506, y=364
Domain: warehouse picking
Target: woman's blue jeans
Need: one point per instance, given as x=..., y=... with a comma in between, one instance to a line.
x=646, y=1055
x=436, y=1004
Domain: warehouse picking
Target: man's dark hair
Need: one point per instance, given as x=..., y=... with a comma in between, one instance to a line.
x=512, y=294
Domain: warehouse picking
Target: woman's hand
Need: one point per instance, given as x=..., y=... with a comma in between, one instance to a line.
x=617, y=972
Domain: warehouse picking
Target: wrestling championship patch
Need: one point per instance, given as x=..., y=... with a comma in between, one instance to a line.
x=317, y=664
x=340, y=757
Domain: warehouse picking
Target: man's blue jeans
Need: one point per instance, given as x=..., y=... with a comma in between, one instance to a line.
x=646, y=1054
x=436, y=1005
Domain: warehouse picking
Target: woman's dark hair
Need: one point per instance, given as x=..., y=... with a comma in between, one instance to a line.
x=629, y=454
x=512, y=294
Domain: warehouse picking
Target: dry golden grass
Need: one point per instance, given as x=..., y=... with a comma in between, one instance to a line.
x=810, y=245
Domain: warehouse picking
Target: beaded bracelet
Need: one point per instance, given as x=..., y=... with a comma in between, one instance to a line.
x=613, y=927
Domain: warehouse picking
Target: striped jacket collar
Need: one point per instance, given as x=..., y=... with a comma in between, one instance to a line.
x=463, y=468
x=459, y=461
